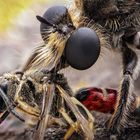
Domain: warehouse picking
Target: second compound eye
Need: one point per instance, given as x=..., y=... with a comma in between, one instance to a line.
x=54, y=15
x=82, y=48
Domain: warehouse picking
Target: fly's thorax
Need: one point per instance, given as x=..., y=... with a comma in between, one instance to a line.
x=96, y=8
x=112, y=15
x=106, y=8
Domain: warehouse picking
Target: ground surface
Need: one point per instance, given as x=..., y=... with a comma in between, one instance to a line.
x=16, y=130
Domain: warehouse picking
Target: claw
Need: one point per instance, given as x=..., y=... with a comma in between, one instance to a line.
x=74, y=126
x=69, y=133
x=68, y=119
x=84, y=122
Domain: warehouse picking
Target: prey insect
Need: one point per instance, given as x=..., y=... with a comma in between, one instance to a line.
x=119, y=22
x=43, y=98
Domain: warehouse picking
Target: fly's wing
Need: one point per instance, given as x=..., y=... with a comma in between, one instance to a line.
x=76, y=107
x=45, y=113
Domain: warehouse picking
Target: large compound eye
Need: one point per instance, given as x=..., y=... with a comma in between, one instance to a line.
x=53, y=15
x=82, y=48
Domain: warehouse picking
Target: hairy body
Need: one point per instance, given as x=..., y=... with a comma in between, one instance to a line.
x=116, y=23
x=119, y=23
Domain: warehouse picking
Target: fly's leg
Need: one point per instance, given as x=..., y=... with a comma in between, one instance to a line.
x=73, y=125
x=28, y=109
x=126, y=98
x=45, y=112
x=85, y=112
x=83, y=119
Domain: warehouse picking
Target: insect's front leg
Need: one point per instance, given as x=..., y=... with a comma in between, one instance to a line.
x=126, y=98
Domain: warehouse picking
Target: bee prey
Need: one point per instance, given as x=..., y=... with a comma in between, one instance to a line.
x=43, y=98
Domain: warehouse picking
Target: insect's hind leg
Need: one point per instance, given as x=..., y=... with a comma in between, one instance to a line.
x=126, y=97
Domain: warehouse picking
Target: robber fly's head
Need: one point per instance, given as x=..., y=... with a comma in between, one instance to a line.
x=55, y=19
x=80, y=46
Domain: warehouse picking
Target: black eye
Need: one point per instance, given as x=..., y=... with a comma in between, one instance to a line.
x=2, y=103
x=53, y=15
x=82, y=48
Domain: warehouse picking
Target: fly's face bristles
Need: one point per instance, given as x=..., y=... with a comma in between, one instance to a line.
x=47, y=55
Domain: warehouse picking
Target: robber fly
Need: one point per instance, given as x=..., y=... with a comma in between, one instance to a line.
x=60, y=49
x=118, y=21
x=41, y=93
x=76, y=37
